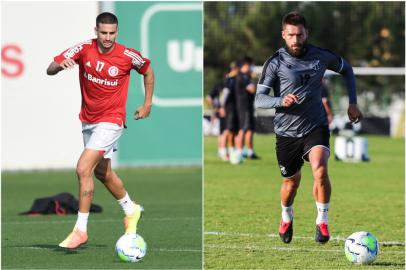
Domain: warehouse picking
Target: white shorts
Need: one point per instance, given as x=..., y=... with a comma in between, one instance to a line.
x=102, y=136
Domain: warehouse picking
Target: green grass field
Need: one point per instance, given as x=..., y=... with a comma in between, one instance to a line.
x=172, y=224
x=242, y=210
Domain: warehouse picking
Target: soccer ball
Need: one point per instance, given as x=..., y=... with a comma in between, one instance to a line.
x=361, y=248
x=235, y=158
x=131, y=248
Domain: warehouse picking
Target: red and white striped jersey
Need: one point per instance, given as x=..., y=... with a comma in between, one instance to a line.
x=104, y=79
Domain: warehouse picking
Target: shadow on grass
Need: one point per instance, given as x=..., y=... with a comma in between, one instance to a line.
x=393, y=244
x=387, y=264
x=56, y=248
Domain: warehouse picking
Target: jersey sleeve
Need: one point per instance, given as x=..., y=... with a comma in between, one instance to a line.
x=215, y=91
x=74, y=52
x=269, y=73
x=225, y=93
x=265, y=84
x=339, y=65
x=334, y=62
x=138, y=62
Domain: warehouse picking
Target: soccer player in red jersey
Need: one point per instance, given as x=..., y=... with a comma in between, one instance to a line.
x=104, y=74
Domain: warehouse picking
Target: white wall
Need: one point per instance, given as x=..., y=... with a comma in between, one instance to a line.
x=40, y=127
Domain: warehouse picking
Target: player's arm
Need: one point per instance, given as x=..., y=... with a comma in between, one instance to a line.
x=54, y=67
x=325, y=99
x=354, y=114
x=67, y=59
x=251, y=88
x=209, y=100
x=224, y=98
x=144, y=111
x=327, y=107
x=262, y=98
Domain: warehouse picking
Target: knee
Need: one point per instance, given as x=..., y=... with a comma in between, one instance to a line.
x=291, y=186
x=83, y=172
x=320, y=174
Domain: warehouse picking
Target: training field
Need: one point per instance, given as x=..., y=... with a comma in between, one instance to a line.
x=242, y=210
x=172, y=225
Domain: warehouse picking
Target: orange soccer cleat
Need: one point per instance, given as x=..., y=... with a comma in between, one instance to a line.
x=75, y=239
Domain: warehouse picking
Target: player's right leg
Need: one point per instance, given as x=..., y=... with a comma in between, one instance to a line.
x=239, y=139
x=288, y=153
x=288, y=193
x=222, y=140
x=114, y=184
x=222, y=152
x=85, y=167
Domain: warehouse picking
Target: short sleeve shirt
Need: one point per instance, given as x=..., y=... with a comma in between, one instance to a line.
x=104, y=79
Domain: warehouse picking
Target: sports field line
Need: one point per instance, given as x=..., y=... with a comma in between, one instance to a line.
x=259, y=248
x=337, y=238
x=268, y=248
x=95, y=220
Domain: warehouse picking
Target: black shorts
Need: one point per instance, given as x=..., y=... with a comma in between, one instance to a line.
x=291, y=152
x=246, y=120
x=222, y=124
x=231, y=121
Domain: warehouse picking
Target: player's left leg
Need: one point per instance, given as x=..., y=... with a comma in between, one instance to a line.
x=249, y=126
x=222, y=140
x=318, y=158
x=239, y=141
x=249, y=144
x=114, y=184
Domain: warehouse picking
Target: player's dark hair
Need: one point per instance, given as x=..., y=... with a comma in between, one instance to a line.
x=232, y=65
x=293, y=18
x=107, y=18
x=245, y=60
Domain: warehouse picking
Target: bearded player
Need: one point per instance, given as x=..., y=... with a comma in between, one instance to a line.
x=104, y=75
x=295, y=73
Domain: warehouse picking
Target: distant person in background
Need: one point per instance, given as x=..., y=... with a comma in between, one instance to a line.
x=245, y=89
x=228, y=109
x=325, y=98
x=294, y=73
x=104, y=75
x=213, y=99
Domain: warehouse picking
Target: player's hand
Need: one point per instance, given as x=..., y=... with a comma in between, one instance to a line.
x=329, y=118
x=222, y=112
x=354, y=114
x=67, y=63
x=289, y=100
x=142, y=112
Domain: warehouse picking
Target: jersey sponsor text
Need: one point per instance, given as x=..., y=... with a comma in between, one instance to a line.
x=104, y=82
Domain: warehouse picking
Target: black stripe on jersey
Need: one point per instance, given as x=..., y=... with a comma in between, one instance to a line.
x=261, y=80
x=333, y=53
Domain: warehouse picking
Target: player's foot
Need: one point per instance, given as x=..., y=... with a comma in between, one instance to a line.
x=322, y=233
x=254, y=156
x=130, y=222
x=224, y=157
x=286, y=231
x=74, y=240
